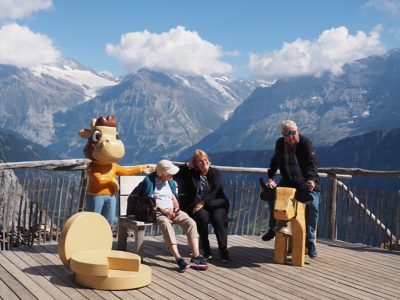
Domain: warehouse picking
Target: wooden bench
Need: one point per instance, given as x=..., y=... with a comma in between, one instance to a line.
x=125, y=223
x=128, y=222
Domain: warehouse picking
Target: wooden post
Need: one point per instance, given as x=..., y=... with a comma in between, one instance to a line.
x=331, y=208
x=82, y=191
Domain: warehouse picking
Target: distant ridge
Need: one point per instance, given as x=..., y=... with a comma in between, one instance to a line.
x=363, y=98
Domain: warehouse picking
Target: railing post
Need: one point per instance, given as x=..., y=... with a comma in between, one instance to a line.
x=82, y=190
x=331, y=208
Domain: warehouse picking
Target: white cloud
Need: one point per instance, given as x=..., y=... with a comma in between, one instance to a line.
x=17, y=9
x=332, y=49
x=390, y=6
x=21, y=47
x=178, y=51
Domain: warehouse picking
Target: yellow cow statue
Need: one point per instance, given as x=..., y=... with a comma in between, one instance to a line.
x=104, y=149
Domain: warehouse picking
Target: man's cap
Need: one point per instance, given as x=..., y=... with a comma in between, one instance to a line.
x=165, y=166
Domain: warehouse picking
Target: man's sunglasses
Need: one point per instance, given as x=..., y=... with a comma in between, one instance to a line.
x=289, y=133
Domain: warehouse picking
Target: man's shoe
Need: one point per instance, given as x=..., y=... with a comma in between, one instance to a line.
x=182, y=265
x=224, y=256
x=198, y=263
x=268, y=236
x=312, y=250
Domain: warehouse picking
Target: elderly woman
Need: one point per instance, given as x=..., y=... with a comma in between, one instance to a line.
x=202, y=197
x=162, y=188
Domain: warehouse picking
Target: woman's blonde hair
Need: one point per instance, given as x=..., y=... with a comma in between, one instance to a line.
x=199, y=154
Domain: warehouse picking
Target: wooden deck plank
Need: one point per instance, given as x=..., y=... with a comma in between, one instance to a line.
x=26, y=263
x=48, y=257
x=248, y=284
x=245, y=268
x=361, y=287
x=362, y=272
x=187, y=281
x=378, y=260
x=50, y=252
x=7, y=293
x=144, y=292
x=302, y=276
x=346, y=273
x=21, y=282
x=341, y=271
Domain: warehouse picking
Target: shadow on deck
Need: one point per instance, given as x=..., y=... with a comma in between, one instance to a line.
x=341, y=271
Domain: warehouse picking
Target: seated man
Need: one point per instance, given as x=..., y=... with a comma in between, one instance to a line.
x=296, y=160
x=162, y=188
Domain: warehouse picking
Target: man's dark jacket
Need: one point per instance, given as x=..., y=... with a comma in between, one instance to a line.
x=306, y=159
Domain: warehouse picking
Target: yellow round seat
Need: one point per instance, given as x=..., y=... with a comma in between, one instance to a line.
x=85, y=248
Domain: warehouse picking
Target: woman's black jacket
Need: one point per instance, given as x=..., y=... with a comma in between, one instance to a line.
x=188, y=181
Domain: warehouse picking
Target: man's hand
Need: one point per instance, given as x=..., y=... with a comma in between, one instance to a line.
x=147, y=169
x=271, y=183
x=310, y=185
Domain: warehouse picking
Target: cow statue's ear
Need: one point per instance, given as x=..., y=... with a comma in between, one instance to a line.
x=85, y=133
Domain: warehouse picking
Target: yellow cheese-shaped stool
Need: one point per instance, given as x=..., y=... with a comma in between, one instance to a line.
x=85, y=248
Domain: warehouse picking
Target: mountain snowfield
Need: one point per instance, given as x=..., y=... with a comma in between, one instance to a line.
x=69, y=70
x=29, y=97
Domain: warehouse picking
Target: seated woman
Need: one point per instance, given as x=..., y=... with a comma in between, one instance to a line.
x=203, y=198
x=162, y=188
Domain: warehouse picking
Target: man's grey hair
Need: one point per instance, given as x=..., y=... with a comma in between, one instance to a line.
x=288, y=123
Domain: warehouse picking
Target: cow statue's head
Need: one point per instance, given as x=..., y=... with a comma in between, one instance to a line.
x=103, y=145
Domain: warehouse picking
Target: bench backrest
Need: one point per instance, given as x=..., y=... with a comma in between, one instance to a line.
x=126, y=185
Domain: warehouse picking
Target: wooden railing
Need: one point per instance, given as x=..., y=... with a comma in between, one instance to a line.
x=34, y=210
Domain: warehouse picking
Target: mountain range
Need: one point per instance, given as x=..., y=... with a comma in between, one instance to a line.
x=365, y=97
x=375, y=150
x=162, y=115
x=29, y=97
x=158, y=114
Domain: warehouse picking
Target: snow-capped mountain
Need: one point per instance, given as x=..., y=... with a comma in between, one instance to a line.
x=30, y=96
x=158, y=113
x=365, y=97
x=69, y=70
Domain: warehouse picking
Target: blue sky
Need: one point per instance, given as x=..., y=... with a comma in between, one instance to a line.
x=258, y=39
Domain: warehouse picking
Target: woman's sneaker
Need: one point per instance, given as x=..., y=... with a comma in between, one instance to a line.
x=182, y=264
x=198, y=263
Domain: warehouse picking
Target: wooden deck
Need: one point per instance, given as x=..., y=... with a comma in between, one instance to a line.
x=342, y=271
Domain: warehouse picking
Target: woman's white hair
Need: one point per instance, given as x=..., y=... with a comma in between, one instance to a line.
x=288, y=123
